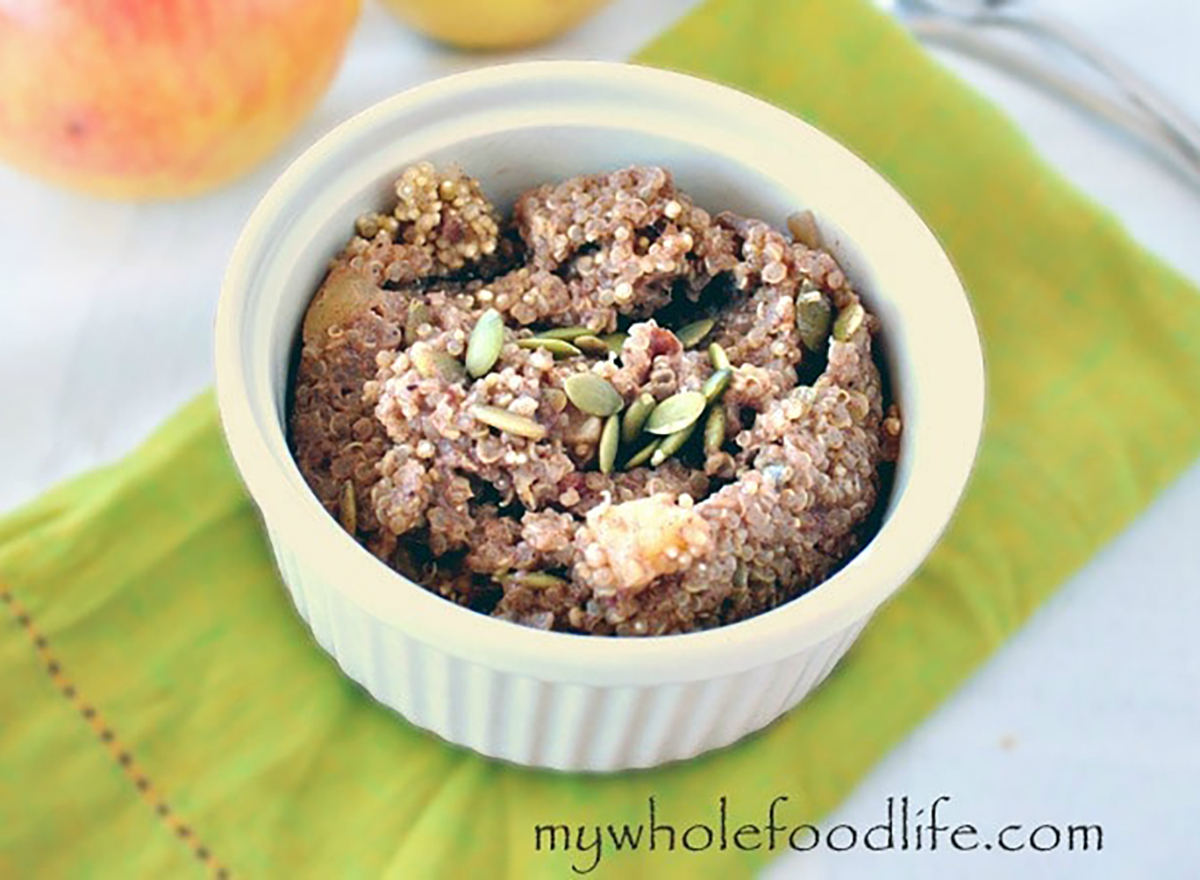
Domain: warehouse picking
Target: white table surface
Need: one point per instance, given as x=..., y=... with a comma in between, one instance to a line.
x=1091, y=714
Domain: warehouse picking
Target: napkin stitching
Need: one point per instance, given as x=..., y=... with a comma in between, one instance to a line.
x=147, y=790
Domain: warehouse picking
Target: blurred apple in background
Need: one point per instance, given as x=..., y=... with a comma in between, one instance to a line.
x=492, y=24
x=158, y=98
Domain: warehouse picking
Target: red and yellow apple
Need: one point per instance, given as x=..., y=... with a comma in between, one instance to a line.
x=160, y=98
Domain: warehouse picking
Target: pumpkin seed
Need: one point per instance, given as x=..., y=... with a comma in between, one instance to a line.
x=434, y=364
x=676, y=413
x=692, y=334
x=848, y=321
x=636, y=415
x=538, y=579
x=720, y=360
x=813, y=316
x=803, y=227
x=714, y=430
x=610, y=440
x=509, y=422
x=483, y=348
x=671, y=444
x=348, y=509
x=615, y=342
x=557, y=347
x=593, y=345
x=418, y=314
x=593, y=395
x=643, y=455
x=716, y=384
x=566, y=333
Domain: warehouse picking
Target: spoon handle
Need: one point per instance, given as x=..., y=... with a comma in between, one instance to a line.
x=967, y=37
x=1176, y=123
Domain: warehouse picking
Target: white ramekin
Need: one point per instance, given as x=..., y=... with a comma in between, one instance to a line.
x=551, y=699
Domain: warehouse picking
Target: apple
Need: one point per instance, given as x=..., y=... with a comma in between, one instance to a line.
x=160, y=98
x=492, y=24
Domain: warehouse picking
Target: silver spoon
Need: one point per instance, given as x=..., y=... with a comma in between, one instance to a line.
x=1145, y=113
x=1022, y=17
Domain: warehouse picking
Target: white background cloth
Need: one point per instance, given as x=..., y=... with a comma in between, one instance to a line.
x=1091, y=714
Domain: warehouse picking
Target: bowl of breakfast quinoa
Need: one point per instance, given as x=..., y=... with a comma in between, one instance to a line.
x=592, y=410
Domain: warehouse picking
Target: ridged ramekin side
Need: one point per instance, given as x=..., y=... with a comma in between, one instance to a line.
x=544, y=723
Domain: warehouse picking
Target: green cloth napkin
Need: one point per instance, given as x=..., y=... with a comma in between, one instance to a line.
x=165, y=712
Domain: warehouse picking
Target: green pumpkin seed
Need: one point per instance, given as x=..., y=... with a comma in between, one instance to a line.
x=434, y=364
x=848, y=321
x=610, y=440
x=537, y=579
x=636, y=415
x=615, y=342
x=720, y=360
x=593, y=395
x=509, y=422
x=487, y=339
x=593, y=345
x=671, y=444
x=692, y=334
x=418, y=314
x=716, y=384
x=565, y=333
x=676, y=413
x=803, y=227
x=813, y=316
x=348, y=509
x=557, y=347
x=714, y=430
x=643, y=455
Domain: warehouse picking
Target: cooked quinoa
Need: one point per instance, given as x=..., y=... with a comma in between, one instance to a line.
x=437, y=419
